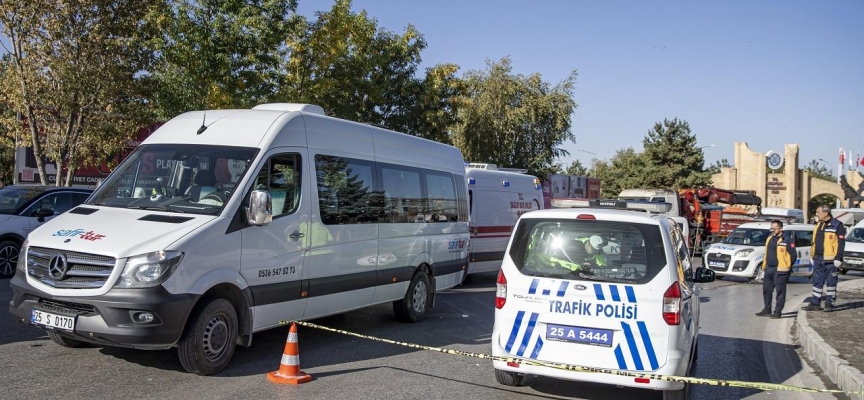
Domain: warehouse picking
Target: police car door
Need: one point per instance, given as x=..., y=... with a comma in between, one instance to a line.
x=272, y=255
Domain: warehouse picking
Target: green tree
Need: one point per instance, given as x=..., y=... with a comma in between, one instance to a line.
x=344, y=62
x=218, y=54
x=673, y=160
x=818, y=169
x=717, y=165
x=72, y=72
x=626, y=169
x=576, y=168
x=514, y=120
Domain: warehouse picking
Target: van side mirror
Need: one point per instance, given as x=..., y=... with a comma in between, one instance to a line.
x=704, y=275
x=260, y=210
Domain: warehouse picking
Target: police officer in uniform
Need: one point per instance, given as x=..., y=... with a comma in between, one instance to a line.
x=829, y=239
x=780, y=255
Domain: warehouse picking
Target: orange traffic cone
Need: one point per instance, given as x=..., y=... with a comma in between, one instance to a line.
x=289, y=369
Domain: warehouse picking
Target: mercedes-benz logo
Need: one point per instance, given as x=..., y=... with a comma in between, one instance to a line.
x=58, y=266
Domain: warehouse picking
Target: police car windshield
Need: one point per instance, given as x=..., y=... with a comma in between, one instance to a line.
x=747, y=236
x=588, y=250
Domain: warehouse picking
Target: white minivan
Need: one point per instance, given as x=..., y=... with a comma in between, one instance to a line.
x=497, y=197
x=598, y=288
x=222, y=224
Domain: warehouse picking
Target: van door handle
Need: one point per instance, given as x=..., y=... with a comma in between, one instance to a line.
x=296, y=235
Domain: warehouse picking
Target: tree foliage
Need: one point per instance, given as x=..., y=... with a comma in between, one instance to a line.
x=576, y=168
x=626, y=169
x=514, y=120
x=218, y=53
x=71, y=73
x=343, y=61
x=672, y=158
x=715, y=167
x=817, y=169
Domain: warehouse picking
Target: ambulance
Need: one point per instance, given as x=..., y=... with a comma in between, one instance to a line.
x=497, y=197
x=600, y=288
x=225, y=223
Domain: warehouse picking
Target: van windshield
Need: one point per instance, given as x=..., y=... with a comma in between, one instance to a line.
x=588, y=250
x=184, y=178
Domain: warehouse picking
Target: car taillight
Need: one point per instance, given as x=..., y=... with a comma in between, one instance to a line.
x=672, y=305
x=501, y=292
x=585, y=216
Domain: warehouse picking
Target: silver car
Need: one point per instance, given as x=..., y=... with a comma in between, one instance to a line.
x=23, y=208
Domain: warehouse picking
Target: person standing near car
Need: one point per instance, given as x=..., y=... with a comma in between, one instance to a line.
x=780, y=255
x=829, y=239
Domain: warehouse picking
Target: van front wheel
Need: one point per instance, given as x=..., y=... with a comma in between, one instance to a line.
x=208, y=343
x=412, y=308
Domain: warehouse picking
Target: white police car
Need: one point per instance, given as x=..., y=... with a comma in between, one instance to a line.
x=741, y=253
x=633, y=308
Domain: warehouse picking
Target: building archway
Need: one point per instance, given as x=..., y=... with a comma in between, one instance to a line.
x=787, y=187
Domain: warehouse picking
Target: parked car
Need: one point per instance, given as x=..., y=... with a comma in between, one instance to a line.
x=740, y=254
x=23, y=208
x=853, y=253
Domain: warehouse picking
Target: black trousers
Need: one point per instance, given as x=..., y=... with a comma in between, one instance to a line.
x=772, y=280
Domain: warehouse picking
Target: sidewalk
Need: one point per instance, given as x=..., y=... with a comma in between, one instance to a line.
x=834, y=340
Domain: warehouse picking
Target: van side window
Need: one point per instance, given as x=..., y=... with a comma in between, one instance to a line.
x=403, y=193
x=281, y=177
x=346, y=190
x=441, y=195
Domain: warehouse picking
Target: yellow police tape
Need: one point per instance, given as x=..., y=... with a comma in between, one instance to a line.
x=578, y=368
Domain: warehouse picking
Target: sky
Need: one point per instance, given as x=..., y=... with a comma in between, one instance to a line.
x=767, y=73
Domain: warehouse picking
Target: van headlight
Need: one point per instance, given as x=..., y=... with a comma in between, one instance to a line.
x=149, y=269
x=743, y=253
x=22, y=258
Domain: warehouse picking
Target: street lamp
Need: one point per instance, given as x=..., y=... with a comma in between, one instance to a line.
x=710, y=145
x=590, y=171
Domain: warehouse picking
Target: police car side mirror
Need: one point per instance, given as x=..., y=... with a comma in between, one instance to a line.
x=704, y=275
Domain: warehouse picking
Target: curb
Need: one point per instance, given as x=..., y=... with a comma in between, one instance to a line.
x=845, y=376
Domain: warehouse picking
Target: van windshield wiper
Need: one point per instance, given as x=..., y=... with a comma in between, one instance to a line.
x=156, y=208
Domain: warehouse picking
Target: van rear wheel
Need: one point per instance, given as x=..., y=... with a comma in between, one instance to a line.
x=509, y=378
x=208, y=343
x=412, y=308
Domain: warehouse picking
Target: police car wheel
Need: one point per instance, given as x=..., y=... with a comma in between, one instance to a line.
x=508, y=378
x=208, y=343
x=412, y=308
x=65, y=341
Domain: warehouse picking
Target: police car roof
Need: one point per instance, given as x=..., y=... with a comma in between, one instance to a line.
x=605, y=214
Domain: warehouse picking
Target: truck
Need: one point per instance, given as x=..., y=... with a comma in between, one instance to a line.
x=709, y=221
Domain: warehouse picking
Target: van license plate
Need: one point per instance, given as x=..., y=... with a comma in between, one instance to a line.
x=578, y=334
x=48, y=320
